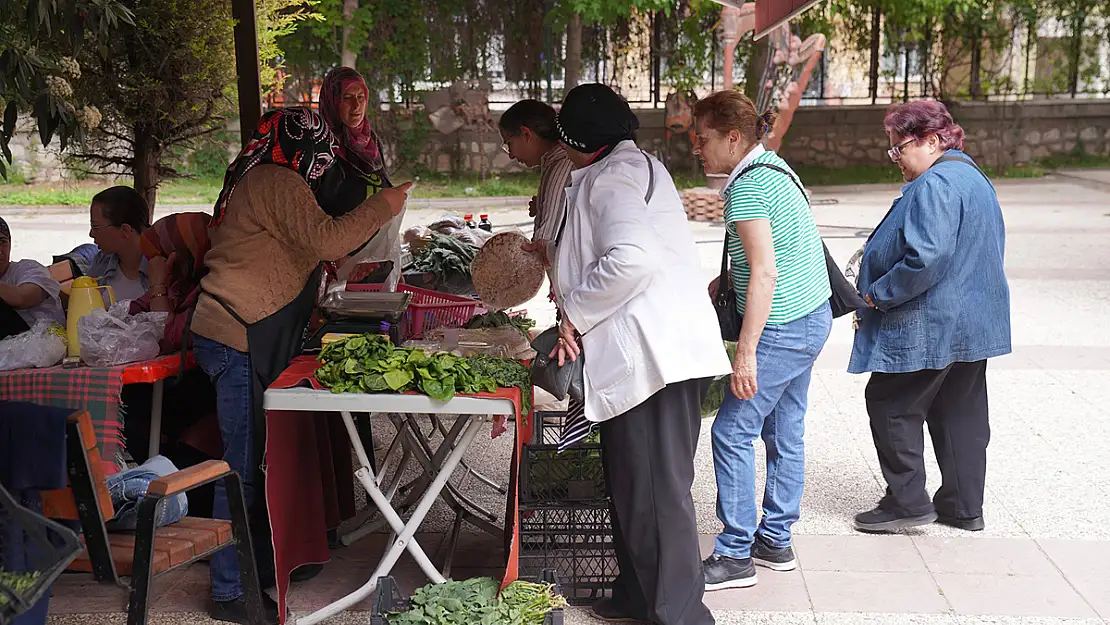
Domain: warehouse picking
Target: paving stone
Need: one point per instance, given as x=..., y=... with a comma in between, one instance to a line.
x=1013, y=595
x=842, y=591
x=1003, y=556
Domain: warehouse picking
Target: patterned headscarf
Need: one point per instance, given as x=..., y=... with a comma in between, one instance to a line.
x=4, y=231
x=359, y=146
x=296, y=138
x=183, y=233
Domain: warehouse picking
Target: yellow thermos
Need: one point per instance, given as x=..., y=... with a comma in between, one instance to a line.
x=84, y=297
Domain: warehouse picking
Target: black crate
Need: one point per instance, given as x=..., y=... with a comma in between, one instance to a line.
x=575, y=475
x=549, y=427
x=388, y=599
x=576, y=541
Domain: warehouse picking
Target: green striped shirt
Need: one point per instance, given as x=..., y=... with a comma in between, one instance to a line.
x=803, y=279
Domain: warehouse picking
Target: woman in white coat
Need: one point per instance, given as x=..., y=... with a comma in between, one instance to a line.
x=627, y=275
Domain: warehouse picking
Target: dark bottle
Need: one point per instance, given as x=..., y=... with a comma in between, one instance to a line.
x=469, y=219
x=485, y=224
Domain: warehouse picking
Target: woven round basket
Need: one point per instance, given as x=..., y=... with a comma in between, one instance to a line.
x=505, y=275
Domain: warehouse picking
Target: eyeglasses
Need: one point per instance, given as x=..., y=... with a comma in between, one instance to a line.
x=895, y=152
x=99, y=227
x=505, y=147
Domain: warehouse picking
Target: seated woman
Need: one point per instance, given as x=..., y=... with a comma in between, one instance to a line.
x=118, y=218
x=27, y=292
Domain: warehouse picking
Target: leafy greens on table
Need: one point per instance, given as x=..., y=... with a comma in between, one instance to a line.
x=369, y=363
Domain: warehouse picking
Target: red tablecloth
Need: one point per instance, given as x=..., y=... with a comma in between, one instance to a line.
x=96, y=389
x=310, y=477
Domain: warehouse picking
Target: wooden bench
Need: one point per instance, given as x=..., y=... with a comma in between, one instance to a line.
x=148, y=552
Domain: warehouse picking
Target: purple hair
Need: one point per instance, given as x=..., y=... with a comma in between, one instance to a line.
x=920, y=119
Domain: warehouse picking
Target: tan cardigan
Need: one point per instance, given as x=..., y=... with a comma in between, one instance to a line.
x=273, y=237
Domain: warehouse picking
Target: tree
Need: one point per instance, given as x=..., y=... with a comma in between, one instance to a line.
x=38, y=43
x=277, y=19
x=170, y=81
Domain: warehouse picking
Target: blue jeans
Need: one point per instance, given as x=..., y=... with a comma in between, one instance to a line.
x=784, y=365
x=230, y=371
x=128, y=488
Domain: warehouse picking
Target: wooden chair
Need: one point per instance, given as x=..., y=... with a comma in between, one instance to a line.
x=149, y=551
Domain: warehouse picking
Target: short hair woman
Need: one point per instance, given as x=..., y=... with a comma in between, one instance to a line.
x=939, y=302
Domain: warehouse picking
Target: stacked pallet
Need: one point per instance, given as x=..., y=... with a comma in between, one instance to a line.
x=703, y=204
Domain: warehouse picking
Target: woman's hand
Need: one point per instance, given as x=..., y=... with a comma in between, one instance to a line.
x=867, y=298
x=715, y=286
x=567, y=348
x=532, y=210
x=395, y=197
x=744, y=375
x=539, y=246
x=160, y=268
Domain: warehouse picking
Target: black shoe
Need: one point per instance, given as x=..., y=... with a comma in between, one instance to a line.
x=235, y=611
x=723, y=572
x=611, y=611
x=305, y=572
x=774, y=558
x=973, y=524
x=880, y=521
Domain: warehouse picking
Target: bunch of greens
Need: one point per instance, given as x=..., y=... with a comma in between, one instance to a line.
x=369, y=363
x=718, y=388
x=446, y=257
x=18, y=583
x=498, y=319
x=476, y=602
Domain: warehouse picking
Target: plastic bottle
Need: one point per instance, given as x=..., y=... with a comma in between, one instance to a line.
x=469, y=219
x=485, y=224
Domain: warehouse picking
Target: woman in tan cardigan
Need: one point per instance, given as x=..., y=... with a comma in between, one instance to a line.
x=269, y=237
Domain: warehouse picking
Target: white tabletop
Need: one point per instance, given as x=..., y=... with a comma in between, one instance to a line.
x=308, y=399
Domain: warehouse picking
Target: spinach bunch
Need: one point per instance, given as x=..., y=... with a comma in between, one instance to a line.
x=497, y=319
x=476, y=602
x=446, y=257
x=369, y=363
x=18, y=583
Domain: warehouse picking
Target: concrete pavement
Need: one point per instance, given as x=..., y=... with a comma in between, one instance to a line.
x=1045, y=555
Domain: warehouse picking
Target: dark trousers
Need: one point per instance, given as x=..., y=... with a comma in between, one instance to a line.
x=648, y=455
x=953, y=401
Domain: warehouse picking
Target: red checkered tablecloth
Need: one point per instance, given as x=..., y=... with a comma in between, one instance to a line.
x=95, y=389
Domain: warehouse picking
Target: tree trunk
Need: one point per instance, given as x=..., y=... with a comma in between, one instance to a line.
x=572, y=68
x=873, y=72
x=976, y=79
x=147, y=154
x=347, y=58
x=757, y=62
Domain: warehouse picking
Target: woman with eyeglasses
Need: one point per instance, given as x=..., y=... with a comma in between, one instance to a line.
x=118, y=217
x=939, y=307
x=529, y=137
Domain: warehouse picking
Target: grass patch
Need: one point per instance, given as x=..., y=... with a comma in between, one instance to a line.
x=471, y=185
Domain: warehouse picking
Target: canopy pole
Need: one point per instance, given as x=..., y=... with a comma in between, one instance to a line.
x=246, y=67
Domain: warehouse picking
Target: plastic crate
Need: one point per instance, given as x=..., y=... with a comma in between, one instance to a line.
x=547, y=476
x=429, y=310
x=549, y=427
x=574, y=540
x=388, y=599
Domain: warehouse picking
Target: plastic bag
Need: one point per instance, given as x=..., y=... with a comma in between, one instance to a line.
x=44, y=345
x=115, y=337
x=384, y=247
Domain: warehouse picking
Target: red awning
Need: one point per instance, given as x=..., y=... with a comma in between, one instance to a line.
x=772, y=13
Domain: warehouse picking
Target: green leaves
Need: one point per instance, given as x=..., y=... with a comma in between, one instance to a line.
x=476, y=601
x=369, y=363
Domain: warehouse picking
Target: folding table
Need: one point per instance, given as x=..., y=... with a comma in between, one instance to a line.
x=439, y=465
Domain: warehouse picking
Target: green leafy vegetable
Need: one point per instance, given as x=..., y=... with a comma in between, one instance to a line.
x=498, y=319
x=446, y=257
x=18, y=583
x=369, y=363
x=476, y=602
x=718, y=388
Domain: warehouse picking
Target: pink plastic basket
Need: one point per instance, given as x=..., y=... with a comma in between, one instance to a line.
x=429, y=310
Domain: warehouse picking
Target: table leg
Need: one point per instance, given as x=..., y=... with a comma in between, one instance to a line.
x=405, y=539
x=155, y=444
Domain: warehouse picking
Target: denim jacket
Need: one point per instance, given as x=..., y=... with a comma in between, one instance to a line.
x=933, y=268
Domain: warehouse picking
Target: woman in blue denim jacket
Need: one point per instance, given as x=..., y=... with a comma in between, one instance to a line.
x=932, y=274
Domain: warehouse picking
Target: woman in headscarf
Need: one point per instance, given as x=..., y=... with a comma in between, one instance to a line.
x=626, y=281
x=269, y=236
x=360, y=171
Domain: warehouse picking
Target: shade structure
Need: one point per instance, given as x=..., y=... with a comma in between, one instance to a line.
x=769, y=14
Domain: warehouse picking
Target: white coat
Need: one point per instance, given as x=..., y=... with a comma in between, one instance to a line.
x=628, y=276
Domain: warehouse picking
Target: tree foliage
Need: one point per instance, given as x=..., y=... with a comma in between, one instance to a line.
x=38, y=45
x=277, y=19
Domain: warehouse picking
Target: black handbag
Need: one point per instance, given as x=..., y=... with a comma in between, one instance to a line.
x=548, y=375
x=845, y=297
x=725, y=301
x=546, y=372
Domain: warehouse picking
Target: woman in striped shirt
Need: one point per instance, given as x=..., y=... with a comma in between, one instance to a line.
x=529, y=135
x=782, y=293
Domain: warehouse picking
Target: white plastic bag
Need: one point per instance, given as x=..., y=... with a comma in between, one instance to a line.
x=115, y=337
x=44, y=345
x=384, y=246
